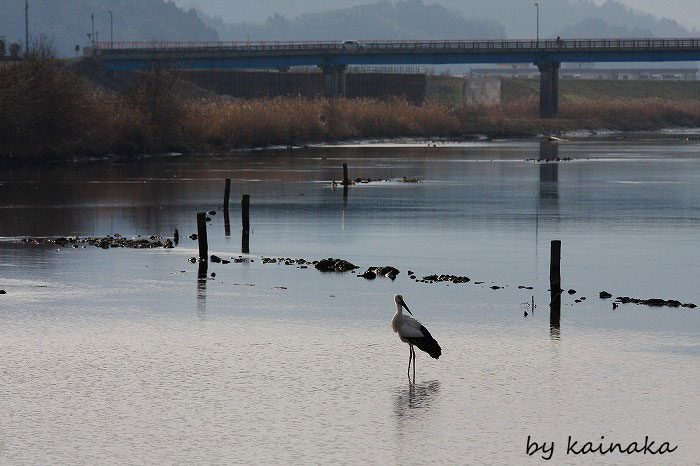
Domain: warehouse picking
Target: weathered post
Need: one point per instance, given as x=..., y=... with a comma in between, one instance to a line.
x=227, y=219
x=202, y=236
x=555, y=284
x=245, y=212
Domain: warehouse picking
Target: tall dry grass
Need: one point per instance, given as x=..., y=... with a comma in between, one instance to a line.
x=48, y=111
x=635, y=114
x=248, y=123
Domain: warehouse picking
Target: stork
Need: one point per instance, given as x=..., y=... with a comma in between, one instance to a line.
x=414, y=333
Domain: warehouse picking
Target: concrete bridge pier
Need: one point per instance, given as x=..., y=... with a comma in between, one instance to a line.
x=549, y=89
x=334, y=80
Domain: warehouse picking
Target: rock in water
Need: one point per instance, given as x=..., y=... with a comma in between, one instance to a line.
x=335, y=265
x=369, y=275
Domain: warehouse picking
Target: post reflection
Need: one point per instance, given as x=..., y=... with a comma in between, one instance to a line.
x=227, y=222
x=415, y=396
x=245, y=242
x=202, y=289
x=548, y=202
x=549, y=177
x=554, y=332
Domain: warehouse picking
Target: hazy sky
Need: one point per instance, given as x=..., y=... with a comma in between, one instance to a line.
x=686, y=12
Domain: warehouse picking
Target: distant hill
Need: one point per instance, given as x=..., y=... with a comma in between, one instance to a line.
x=66, y=22
x=518, y=17
x=407, y=19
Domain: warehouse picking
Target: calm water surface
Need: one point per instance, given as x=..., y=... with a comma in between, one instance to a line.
x=126, y=356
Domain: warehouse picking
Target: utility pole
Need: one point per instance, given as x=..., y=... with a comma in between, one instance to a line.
x=537, y=6
x=111, y=29
x=26, y=27
x=92, y=18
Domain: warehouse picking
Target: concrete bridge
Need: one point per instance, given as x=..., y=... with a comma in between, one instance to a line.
x=333, y=57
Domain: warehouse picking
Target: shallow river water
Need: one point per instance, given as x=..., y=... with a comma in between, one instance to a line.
x=126, y=356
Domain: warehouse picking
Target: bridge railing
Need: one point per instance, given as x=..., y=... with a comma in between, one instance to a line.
x=358, y=46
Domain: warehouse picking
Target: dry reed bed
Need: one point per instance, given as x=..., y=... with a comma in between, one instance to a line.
x=49, y=112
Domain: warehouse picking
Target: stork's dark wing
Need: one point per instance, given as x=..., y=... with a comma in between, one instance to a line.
x=426, y=343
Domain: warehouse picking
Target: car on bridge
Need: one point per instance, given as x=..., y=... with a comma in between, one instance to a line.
x=352, y=45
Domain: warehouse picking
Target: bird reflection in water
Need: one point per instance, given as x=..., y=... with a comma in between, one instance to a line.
x=416, y=396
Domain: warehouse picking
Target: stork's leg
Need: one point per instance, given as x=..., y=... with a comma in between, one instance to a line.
x=410, y=353
x=414, y=364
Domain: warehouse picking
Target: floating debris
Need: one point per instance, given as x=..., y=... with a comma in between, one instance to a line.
x=655, y=302
x=571, y=291
x=604, y=295
x=112, y=241
x=283, y=260
x=215, y=259
x=193, y=236
x=3, y=292
x=334, y=265
x=556, y=159
x=403, y=179
x=446, y=278
x=523, y=287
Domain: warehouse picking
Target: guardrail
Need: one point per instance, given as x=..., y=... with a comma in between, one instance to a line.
x=549, y=44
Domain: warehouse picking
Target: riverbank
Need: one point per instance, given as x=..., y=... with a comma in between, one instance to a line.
x=52, y=113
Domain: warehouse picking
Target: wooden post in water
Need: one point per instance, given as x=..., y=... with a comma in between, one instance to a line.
x=227, y=220
x=202, y=236
x=555, y=284
x=245, y=212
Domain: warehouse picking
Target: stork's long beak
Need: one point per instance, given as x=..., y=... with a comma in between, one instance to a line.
x=406, y=307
